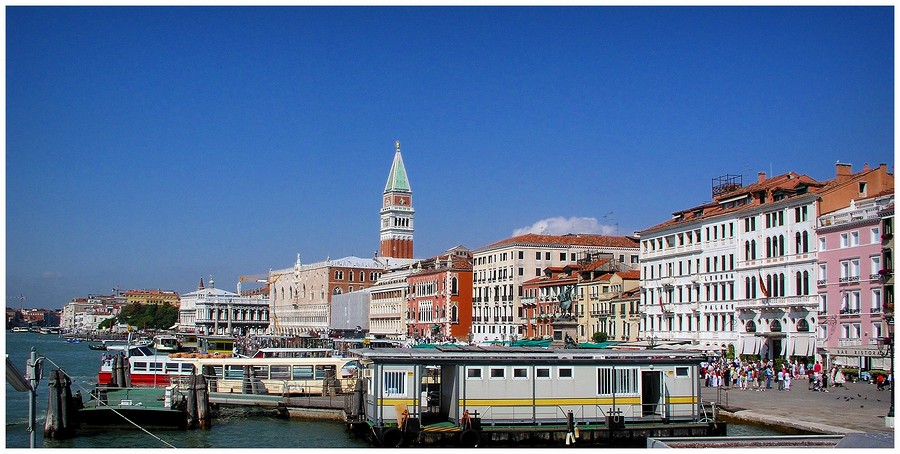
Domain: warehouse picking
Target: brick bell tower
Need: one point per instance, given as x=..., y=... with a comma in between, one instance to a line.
x=397, y=212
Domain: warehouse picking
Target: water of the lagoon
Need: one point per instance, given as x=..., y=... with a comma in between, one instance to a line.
x=232, y=429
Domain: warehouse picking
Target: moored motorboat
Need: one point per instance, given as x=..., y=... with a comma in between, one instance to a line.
x=146, y=408
x=145, y=367
x=101, y=347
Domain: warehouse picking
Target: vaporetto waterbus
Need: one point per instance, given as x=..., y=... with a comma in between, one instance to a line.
x=472, y=396
x=309, y=376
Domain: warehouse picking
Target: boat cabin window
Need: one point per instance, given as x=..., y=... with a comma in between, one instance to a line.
x=303, y=372
x=171, y=367
x=473, y=373
x=233, y=371
x=542, y=373
x=156, y=367
x=681, y=372
x=261, y=372
x=217, y=371
x=565, y=373
x=280, y=372
x=185, y=367
x=323, y=372
x=619, y=380
x=498, y=373
x=140, y=351
x=395, y=383
x=520, y=373
x=139, y=366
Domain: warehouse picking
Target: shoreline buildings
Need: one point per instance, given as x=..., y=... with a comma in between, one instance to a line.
x=499, y=272
x=739, y=273
x=212, y=311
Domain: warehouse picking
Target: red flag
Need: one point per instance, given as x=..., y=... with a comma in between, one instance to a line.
x=661, y=307
x=762, y=286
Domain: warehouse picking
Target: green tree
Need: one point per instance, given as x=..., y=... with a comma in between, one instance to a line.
x=600, y=337
x=150, y=316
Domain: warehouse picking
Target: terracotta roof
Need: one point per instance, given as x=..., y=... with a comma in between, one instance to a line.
x=595, y=264
x=788, y=184
x=630, y=275
x=579, y=239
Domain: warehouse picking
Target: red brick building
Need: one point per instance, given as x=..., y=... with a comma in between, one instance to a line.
x=439, y=306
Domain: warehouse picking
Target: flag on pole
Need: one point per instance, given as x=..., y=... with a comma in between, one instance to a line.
x=762, y=286
x=661, y=307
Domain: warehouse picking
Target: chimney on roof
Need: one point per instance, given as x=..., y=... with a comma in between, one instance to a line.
x=761, y=176
x=866, y=167
x=842, y=171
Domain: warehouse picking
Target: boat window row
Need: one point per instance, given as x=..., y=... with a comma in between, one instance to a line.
x=171, y=368
x=276, y=372
x=518, y=373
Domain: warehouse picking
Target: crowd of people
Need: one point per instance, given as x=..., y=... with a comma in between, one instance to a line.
x=762, y=375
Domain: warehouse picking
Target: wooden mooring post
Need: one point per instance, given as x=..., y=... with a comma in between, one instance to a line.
x=61, y=420
x=198, y=411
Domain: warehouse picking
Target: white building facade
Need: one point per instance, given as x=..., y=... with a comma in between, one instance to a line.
x=736, y=273
x=388, y=304
x=500, y=269
x=213, y=311
x=301, y=296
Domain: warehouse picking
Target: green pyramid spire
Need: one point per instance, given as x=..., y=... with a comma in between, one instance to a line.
x=397, y=180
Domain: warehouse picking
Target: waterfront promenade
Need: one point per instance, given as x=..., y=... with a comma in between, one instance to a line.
x=859, y=407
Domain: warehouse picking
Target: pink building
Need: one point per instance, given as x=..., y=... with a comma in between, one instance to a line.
x=850, y=283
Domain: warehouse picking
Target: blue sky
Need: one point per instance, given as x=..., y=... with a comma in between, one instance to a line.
x=150, y=147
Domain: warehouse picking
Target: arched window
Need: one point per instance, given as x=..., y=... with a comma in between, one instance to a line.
x=806, y=282
x=805, y=241
x=750, y=326
x=798, y=243
x=775, y=326
x=780, y=245
x=802, y=326
x=781, y=286
x=799, y=283
x=768, y=247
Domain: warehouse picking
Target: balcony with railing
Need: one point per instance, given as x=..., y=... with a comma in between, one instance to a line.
x=806, y=302
x=849, y=279
x=848, y=217
x=821, y=282
x=850, y=342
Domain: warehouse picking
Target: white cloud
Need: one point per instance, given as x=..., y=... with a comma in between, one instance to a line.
x=561, y=226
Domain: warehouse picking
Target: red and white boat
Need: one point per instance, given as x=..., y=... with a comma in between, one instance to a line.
x=146, y=367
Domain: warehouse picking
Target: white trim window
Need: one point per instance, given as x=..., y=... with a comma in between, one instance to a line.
x=565, y=373
x=497, y=373
x=394, y=383
x=542, y=373
x=473, y=373
x=520, y=373
x=619, y=381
